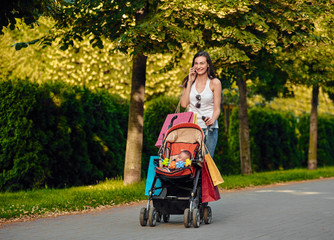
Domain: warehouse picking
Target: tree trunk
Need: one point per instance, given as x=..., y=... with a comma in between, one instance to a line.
x=132, y=167
x=245, y=160
x=134, y=143
x=313, y=144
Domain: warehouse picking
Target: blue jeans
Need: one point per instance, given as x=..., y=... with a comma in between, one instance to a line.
x=211, y=138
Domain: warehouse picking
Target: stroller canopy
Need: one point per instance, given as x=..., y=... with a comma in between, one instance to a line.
x=183, y=136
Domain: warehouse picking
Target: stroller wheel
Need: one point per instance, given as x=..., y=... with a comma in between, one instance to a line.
x=166, y=217
x=142, y=217
x=187, y=218
x=207, y=215
x=152, y=217
x=158, y=216
x=196, y=218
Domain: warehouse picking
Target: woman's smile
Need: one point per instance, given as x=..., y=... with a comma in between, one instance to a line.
x=201, y=65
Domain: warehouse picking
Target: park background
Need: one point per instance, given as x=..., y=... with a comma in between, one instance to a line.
x=64, y=111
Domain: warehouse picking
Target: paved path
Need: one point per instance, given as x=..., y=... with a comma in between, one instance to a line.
x=291, y=212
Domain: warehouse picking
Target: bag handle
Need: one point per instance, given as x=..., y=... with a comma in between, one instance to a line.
x=206, y=150
x=177, y=110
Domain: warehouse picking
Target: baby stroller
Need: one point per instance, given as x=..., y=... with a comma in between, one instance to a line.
x=180, y=189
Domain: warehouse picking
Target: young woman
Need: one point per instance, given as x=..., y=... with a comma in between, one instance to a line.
x=202, y=93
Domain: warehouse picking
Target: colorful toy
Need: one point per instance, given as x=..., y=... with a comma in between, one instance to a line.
x=180, y=164
x=188, y=162
x=165, y=162
x=172, y=165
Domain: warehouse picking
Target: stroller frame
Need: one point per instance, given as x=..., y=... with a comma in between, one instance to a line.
x=181, y=194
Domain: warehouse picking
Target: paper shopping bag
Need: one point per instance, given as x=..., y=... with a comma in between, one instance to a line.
x=210, y=192
x=215, y=175
x=184, y=117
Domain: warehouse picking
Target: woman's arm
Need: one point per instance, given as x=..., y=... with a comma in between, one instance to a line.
x=216, y=88
x=185, y=98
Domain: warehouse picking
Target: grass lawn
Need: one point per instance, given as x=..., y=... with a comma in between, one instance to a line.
x=112, y=192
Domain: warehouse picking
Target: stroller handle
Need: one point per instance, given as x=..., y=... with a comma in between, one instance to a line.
x=171, y=122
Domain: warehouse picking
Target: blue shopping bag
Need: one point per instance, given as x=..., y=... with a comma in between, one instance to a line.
x=150, y=177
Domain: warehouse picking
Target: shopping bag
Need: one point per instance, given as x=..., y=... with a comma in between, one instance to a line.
x=184, y=117
x=215, y=175
x=150, y=177
x=210, y=192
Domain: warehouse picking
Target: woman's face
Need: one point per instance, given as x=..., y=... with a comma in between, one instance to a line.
x=201, y=65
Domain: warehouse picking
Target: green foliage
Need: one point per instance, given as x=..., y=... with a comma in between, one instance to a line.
x=29, y=11
x=222, y=156
x=85, y=66
x=325, y=154
x=239, y=35
x=246, y=33
x=28, y=62
x=312, y=63
x=273, y=139
x=268, y=80
x=233, y=144
x=58, y=136
x=22, y=161
x=137, y=26
x=105, y=121
x=276, y=140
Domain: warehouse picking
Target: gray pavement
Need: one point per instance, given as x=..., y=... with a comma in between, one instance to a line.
x=302, y=211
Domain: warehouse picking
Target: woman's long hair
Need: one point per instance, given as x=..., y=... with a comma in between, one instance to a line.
x=210, y=71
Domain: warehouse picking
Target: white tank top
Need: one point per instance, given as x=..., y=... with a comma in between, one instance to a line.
x=206, y=108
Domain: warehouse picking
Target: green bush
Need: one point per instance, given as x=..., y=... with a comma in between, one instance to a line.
x=233, y=144
x=325, y=146
x=57, y=135
x=22, y=161
x=222, y=156
x=106, y=130
x=273, y=139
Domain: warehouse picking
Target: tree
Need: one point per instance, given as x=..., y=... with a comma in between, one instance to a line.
x=29, y=11
x=138, y=27
x=321, y=70
x=313, y=65
x=318, y=66
x=82, y=64
x=245, y=34
x=239, y=35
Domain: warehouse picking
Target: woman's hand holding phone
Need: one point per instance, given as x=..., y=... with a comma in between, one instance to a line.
x=208, y=121
x=192, y=75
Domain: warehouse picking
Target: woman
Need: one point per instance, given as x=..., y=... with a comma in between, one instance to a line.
x=202, y=93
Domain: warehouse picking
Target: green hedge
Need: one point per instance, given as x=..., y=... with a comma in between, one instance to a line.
x=277, y=139
x=233, y=144
x=273, y=139
x=325, y=152
x=55, y=135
